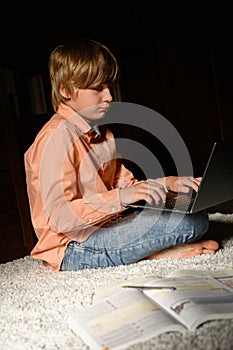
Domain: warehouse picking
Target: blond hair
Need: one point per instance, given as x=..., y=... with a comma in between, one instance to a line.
x=84, y=64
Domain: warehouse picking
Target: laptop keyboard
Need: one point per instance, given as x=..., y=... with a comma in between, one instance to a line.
x=180, y=201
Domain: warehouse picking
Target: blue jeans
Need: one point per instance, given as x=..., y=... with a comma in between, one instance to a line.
x=132, y=237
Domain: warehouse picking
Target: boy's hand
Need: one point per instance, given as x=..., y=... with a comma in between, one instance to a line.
x=183, y=183
x=153, y=191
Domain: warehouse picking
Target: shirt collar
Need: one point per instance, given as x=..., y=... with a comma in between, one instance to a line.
x=91, y=130
x=68, y=112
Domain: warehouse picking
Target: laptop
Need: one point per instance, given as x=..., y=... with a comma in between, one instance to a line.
x=216, y=186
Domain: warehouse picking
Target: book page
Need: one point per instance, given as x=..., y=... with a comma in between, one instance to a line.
x=225, y=276
x=214, y=273
x=110, y=289
x=227, y=280
x=196, y=299
x=120, y=320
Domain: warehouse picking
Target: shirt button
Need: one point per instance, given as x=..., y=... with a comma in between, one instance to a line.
x=90, y=220
x=113, y=209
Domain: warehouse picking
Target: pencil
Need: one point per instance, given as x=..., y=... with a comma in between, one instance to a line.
x=151, y=287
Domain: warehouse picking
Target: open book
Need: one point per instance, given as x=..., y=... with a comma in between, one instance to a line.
x=130, y=315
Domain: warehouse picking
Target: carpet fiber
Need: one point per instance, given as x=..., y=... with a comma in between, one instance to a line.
x=36, y=302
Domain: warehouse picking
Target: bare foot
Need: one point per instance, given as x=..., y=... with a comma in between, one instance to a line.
x=186, y=250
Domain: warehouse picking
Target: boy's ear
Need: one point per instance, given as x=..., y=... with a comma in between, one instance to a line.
x=63, y=92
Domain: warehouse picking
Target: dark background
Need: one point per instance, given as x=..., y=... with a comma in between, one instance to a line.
x=174, y=59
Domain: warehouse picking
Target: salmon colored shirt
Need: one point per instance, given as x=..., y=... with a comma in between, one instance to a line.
x=73, y=178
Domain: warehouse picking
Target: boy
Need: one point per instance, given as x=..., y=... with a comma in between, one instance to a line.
x=79, y=191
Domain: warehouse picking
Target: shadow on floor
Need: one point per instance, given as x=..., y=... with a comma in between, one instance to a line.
x=220, y=232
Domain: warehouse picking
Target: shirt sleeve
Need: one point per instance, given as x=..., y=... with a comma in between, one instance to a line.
x=74, y=196
x=124, y=177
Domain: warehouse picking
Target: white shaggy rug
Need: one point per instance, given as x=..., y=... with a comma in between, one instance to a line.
x=36, y=302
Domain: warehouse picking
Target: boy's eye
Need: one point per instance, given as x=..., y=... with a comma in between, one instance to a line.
x=98, y=88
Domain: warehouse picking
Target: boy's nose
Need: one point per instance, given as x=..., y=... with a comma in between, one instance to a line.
x=107, y=95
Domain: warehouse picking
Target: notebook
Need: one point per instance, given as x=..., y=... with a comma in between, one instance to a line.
x=216, y=186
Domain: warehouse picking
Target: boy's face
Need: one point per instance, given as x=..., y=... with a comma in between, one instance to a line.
x=91, y=104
